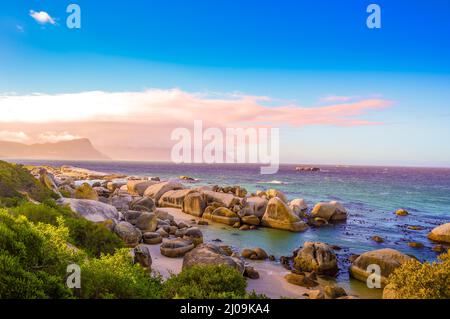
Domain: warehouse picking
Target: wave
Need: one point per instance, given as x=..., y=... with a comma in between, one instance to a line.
x=274, y=182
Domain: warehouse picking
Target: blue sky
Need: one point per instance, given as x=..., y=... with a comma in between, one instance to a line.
x=297, y=51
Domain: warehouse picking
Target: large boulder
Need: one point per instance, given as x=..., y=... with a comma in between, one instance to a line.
x=194, y=234
x=255, y=254
x=121, y=201
x=130, y=235
x=272, y=193
x=164, y=215
x=90, y=209
x=222, y=215
x=143, y=204
x=174, y=198
x=225, y=199
x=209, y=254
x=194, y=204
x=255, y=206
x=331, y=212
x=175, y=248
x=85, y=191
x=147, y=222
x=278, y=215
x=440, y=234
x=49, y=181
x=157, y=190
x=387, y=259
x=251, y=220
x=138, y=187
x=317, y=257
x=142, y=256
x=113, y=185
x=301, y=280
x=298, y=206
x=152, y=238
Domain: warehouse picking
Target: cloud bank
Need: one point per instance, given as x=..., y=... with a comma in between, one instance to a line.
x=42, y=17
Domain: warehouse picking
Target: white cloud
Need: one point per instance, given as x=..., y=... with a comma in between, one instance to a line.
x=42, y=17
x=9, y=136
x=53, y=137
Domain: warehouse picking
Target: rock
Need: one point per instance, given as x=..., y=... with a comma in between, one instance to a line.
x=440, y=234
x=202, y=223
x=255, y=206
x=256, y=254
x=209, y=254
x=279, y=216
x=129, y=234
x=227, y=249
x=298, y=206
x=438, y=249
x=415, y=245
x=244, y=227
x=315, y=294
x=143, y=204
x=186, y=178
x=251, y=220
x=194, y=204
x=402, y=212
x=300, y=280
x=138, y=187
x=251, y=273
x=194, y=234
x=182, y=225
x=113, y=185
x=377, y=239
x=90, y=209
x=272, y=258
x=334, y=292
x=175, y=248
x=121, y=201
x=109, y=223
x=223, y=215
x=226, y=200
x=174, y=198
x=147, y=222
x=237, y=225
x=157, y=190
x=66, y=191
x=412, y=227
x=388, y=260
x=240, y=192
x=131, y=216
x=331, y=212
x=181, y=232
x=142, y=256
x=319, y=222
x=317, y=257
x=162, y=232
x=272, y=193
x=152, y=238
x=49, y=181
x=102, y=191
x=162, y=214
x=85, y=191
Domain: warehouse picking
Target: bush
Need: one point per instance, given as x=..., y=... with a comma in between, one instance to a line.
x=206, y=282
x=94, y=238
x=414, y=280
x=115, y=276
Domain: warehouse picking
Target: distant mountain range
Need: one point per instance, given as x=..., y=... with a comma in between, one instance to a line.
x=79, y=149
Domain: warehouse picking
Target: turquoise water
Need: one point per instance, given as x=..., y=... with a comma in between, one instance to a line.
x=370, y=194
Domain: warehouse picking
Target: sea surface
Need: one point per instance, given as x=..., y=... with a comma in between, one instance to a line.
x=371, y=196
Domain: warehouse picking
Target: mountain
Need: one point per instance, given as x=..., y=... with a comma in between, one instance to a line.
x=79, y=149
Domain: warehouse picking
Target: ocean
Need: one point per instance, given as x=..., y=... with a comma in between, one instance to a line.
x=371, y=196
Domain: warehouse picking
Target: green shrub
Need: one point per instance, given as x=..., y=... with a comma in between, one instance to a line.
x=206, y=282
x=16, y=181
x=115, y=276
x=414, y=280
x=94, y=238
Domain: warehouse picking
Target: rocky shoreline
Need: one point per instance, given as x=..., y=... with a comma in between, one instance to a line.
x=162, y=222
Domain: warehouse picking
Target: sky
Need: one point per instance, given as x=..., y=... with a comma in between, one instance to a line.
x=340, y=93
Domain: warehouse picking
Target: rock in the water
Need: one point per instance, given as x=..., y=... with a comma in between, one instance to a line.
x=138, y=187
x=272, y=193
x=251, y=273
x=317, y=257
x=209, y=254
x=441, y=234
x=142, y=256
x=130, y=235
x=331, y=212
x=387, y=259
x=194, y=204
x=300, y=280
x=174, y=198
x=152, y=238
x=223, y=215
x=256, y=254
x=278, y=215
x=175, y=248
x=224, y=199
x=251, y=220
x=90, y=209
x=377, y=239
x=415, y=245
x=402, y=212
x=194, y=234
x=255, y=206
x=85, y=191
x=298, y=206
x=157, y=190
x=334, y=292
x=143, y=204
x=147, y=222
